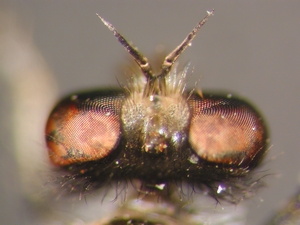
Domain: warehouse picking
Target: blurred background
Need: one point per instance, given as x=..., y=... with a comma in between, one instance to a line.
x=51, y=48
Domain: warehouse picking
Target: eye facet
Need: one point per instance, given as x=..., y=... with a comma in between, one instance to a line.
x=226, y=130
x=83, y=129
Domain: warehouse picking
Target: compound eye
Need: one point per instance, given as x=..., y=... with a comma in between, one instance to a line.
x=82, y=130
x=226, y=131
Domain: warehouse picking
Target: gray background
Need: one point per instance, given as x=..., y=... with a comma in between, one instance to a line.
x=251, y=48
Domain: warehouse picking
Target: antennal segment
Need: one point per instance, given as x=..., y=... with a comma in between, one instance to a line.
x=138, y=57
x=172, y=57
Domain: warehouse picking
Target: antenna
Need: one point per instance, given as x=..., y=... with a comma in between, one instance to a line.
x=143, y=62
x=173, y=56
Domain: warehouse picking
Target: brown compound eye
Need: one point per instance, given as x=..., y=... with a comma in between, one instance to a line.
x=226, y=131
x=83, y=129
